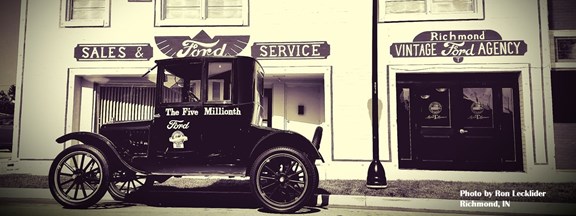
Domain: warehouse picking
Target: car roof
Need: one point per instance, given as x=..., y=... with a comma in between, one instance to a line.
x=199, y=59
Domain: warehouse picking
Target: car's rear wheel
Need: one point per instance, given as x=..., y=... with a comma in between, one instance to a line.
x=283, y=179
x=79, y=176
x=125, y=182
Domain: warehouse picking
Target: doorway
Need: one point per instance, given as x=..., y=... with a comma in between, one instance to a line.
x=459, y=121
x=304, y=107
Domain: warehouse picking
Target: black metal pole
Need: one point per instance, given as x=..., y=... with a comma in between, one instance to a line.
x=376, y=175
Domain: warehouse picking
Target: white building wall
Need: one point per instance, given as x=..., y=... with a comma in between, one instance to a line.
x=47, y=58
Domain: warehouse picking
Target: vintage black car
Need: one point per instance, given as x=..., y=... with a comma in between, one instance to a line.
x=207, y=122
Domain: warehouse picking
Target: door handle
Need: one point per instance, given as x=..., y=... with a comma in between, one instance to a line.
x=462, y=131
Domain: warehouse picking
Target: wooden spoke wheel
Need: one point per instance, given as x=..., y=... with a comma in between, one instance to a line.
x=283, y=179
x=78, y=176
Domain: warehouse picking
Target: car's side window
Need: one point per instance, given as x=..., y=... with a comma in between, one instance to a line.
x=219, y=82
x=178, y=89
x=182, y=84
x=173, y=86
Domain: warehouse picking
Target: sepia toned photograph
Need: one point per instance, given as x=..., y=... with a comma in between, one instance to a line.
x=266, y=107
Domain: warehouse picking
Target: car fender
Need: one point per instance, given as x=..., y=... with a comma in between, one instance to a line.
x=286, y=138
x=100, y=142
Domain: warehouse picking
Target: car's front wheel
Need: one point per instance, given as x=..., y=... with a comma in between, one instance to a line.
x=283, y=179
x=79, y=176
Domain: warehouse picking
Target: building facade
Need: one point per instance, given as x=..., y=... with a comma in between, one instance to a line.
x=465, y=86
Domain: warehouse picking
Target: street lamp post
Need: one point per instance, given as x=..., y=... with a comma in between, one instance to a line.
x=376, y=175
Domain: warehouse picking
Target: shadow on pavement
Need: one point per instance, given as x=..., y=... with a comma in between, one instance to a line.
x=111, y=205
x=194, y=198
x=219, y=196
x=304, y=210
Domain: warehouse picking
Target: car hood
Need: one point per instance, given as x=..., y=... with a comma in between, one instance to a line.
x=127, y=125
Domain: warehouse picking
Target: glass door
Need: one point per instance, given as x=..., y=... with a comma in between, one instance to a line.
x=459, y=122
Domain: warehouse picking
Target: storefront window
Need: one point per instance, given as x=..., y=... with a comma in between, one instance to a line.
x=201, y=12
x=85, y=13
x=562, y=33
x=562, y=96
x=563, y=76
x=416, y=10
x=459, y=122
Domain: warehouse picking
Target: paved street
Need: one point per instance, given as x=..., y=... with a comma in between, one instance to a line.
x=33, y=201
x=50, y=207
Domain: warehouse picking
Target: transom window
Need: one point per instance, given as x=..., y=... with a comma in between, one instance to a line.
x=420, y=10
x=201, y=12
x=85, y=13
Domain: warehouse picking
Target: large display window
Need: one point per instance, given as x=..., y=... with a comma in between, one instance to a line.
x=459, y=121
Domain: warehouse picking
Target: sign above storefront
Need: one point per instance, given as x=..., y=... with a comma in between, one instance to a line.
x=291, y=50
x=201, y=45
x=458, y=44
x=113, y=52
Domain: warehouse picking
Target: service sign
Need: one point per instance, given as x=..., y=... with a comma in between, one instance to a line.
x=113, y=52
x=458, y=44
x=291, y=50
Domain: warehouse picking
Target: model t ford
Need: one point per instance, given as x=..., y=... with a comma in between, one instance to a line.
x=206, y=122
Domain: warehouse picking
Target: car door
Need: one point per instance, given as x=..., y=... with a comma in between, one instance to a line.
x=177, y=125
x=222, y=117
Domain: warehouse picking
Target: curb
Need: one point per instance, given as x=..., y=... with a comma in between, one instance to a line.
x=323, y=200
x=444, y=205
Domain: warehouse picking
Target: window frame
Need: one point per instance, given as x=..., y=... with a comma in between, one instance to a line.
x=559, y=34
x=478, y=14
x=67, y=21
x=160, y=21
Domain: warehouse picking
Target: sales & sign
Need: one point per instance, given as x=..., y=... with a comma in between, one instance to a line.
x=113, y=52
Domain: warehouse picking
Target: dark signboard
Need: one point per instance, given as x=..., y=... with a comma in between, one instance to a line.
x=458, y=44
x=201, y=45
x=291, y=50
x=113, y=52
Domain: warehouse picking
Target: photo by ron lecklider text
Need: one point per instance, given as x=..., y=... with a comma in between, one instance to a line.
x=496, y=198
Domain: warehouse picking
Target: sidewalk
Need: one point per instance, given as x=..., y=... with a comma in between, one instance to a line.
x=419, y=204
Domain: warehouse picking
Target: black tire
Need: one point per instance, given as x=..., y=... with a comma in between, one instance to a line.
x=283, y=179
x=125, y=182
x=317, y=177
x=79, y=176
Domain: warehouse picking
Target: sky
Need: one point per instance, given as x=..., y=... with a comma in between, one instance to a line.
x=9, y=25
